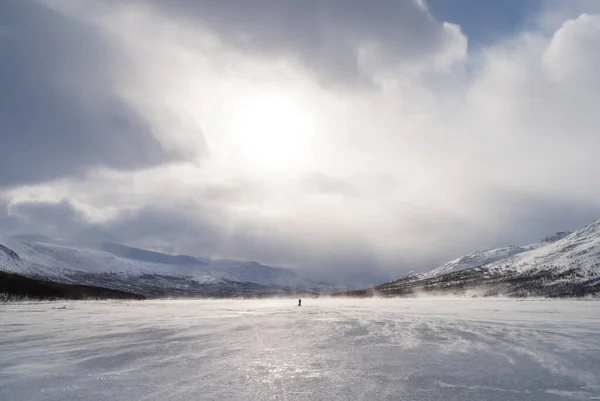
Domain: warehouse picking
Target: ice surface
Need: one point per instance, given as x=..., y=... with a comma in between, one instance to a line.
x=373, y=349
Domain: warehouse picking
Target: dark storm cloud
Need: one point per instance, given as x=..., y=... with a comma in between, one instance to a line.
x=8, y=223
x=324, y=36
x=498, y=218
x=58, y=113
x=53, y=219
x=171, y=226
x=532, y=217
x=45, y=211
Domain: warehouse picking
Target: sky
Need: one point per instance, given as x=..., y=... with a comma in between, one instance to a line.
x=342, y=138
x=485, y=22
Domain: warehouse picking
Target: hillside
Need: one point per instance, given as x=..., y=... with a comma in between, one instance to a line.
x=566, y=264
x=153, y=274
x=17, y=287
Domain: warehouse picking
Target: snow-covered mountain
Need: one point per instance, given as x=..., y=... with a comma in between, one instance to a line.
x=487, y=256
x=578, y=252
x=563, y=264
x=121, y=267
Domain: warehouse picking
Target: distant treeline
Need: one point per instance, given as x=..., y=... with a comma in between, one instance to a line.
x=14, y=287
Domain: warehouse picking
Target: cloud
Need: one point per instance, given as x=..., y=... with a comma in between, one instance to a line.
x=336, y=137
x=337, y=40
x=59, y=111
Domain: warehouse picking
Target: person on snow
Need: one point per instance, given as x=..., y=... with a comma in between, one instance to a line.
x=299, y=302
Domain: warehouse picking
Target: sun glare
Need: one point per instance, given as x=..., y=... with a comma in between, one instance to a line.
x=271, y=131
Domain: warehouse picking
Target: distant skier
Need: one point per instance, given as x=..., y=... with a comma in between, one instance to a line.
x=299, y=302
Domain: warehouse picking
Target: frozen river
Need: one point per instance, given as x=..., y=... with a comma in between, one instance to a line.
x=325, y=350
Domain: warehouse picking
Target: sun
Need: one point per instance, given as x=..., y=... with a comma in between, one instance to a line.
x=271, y=130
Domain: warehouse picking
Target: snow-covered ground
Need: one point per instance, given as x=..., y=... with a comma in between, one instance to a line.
x=372, y=349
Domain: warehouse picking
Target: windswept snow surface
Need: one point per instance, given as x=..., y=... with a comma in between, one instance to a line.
x=390, y=349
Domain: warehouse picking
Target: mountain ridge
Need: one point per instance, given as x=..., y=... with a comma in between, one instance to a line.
x=119, y=267
x=565, y=264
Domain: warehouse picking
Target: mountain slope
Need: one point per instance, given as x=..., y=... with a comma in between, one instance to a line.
x=481, y=258
x=562, y=265
x=16, y=287
x=150, y=273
